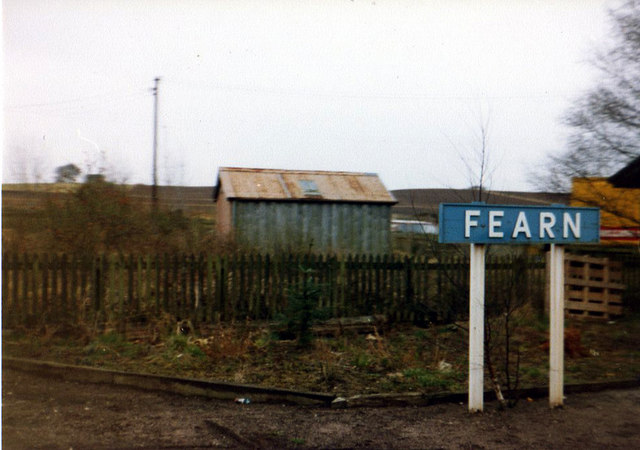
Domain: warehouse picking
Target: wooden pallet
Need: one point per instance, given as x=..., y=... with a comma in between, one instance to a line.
x=593, y=287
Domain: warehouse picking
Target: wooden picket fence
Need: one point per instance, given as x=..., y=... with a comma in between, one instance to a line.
x=48, y=288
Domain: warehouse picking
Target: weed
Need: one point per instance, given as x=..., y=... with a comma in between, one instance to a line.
x=177, y=342
x=182, y=345
x=421, y=334
x=401, y=360
x=573, y=368
x=232, y=342
x=428, y=379
x=377, y=345
x=112, y=346
x=622, y=337
x=532, y=372
x=195, y=351
x=540, y=324
x=328, y=363
x=265, y=340
x=362, y=361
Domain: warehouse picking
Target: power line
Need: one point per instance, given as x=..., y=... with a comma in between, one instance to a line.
x=91, y=99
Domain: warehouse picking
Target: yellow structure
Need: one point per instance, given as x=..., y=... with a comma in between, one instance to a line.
x=619, y=207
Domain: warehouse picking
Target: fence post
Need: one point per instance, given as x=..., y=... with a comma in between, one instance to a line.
x=25, y=289
x=190, y=281
x=250, y=298
x=153, y=267
x=15, y=304
x=139, y=282
x=346, y=287
x=210, y=297
x=392, y=289
x=409, y=294
x=113, y=293
x=131, y=300
x=377, y=297
x=267, y=286
x=64, y=297
x=201, y=305
x=256, y=308
x=34, y=288
x=332, y=286
x=55, y=297
x=123, y=299
x=166, y=289
x=174, y=306
x=96, y=274
x=6, y=264
x=282, y=279
x=367, y=283
x=85, y=296
x=439, y=269
x=45, y=287
x=73, y=289
x=219, y=288
x=422, y=283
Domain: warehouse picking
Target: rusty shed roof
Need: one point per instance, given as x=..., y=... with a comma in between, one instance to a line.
x=302, y=185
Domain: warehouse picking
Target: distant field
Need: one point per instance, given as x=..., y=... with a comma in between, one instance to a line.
x=39, y=187
x=26, y=217
x=18, y=199
x=424, y=203
x=198, y=200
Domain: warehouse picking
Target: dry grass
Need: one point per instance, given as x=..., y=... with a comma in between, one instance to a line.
x=402, y=359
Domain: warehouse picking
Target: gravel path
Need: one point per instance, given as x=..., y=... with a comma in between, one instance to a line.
x=50, y=413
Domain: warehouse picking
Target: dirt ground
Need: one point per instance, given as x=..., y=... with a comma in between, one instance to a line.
x=47, y=413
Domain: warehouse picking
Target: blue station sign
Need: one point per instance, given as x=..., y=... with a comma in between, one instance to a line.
x=480, y=223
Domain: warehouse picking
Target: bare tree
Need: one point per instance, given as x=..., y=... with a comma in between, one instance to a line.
x=25, y=167
x=606, y=120
x=502, y=351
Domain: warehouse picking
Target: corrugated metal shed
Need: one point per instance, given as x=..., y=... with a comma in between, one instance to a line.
x=302, y=185
x=294, y=210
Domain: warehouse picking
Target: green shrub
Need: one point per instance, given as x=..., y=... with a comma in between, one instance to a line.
x=302, y=309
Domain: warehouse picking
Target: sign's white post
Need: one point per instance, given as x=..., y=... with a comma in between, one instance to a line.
x=556, y=325
x=476, y=327
x=480, y=224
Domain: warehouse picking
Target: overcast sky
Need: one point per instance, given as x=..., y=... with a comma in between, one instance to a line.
x=398, y=88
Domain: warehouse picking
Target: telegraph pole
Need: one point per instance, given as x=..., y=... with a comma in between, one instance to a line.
x=154, y=187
